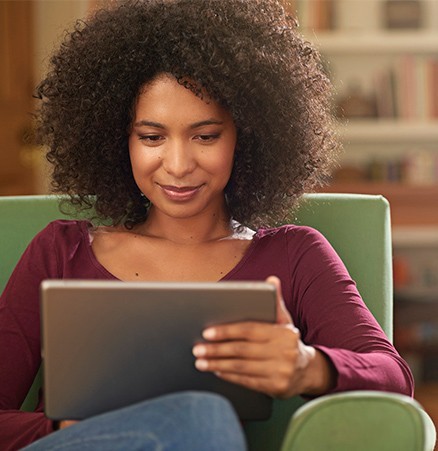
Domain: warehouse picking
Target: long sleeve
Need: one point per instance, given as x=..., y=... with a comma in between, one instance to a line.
x=332, y=317
x=20, y=343
x=61, y=250
x=326, y=307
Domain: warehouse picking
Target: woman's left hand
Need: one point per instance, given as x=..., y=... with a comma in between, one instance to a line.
x=269, y=358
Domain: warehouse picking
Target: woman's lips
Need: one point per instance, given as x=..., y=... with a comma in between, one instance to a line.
x=180, y=193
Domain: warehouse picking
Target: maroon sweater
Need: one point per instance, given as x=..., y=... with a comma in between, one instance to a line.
x=318, y=291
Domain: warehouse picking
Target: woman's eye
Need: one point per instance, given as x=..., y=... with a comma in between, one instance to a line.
x=208, y=138
x=150, y=139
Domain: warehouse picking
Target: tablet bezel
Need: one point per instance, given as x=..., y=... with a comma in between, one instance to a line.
x=91, y=330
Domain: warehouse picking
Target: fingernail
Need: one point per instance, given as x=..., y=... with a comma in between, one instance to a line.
x=199, y=351
x=201, y=364
x=209, y=334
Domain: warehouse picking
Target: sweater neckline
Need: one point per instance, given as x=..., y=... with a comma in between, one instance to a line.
x=85, y=229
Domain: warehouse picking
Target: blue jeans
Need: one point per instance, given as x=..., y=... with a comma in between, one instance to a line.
x=188, y=421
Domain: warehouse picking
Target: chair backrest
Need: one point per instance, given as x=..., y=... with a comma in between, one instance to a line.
x=21, y=218
x=358, y=227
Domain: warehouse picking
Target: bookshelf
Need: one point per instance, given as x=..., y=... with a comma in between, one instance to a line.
x=412, y=206
x=392, y=70
x=390, y=75
x=378, y=42
x=382, y=130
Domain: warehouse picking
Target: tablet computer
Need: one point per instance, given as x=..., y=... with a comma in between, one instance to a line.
x=109, y=344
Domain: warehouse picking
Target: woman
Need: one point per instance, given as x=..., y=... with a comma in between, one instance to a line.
x=191, y=122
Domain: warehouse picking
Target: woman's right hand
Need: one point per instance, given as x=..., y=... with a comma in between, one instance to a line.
x=269, y=358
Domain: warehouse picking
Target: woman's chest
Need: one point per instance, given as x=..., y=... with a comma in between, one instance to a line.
x=157, y=260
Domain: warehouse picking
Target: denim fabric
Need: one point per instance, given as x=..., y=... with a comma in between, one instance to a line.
x=188, y=421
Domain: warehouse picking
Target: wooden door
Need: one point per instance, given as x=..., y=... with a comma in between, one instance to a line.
x=16, y=88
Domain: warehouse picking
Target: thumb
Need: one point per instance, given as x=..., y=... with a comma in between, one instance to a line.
x=283, y=315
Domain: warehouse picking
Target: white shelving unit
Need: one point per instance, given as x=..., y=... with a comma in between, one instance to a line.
x=360, y=46
x=360, y=49
x=377, y=42
x=393, y=131
x=420, y=236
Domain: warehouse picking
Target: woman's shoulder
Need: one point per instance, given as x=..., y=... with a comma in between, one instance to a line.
x=291, y=241
x=290, y=232
x=65, y=225
x=58, y=241
x=64, y=230
x=301, y=246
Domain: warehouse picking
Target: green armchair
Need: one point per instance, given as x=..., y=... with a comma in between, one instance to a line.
x=358, y=227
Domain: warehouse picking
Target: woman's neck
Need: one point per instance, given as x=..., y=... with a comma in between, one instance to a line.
x=206, y=227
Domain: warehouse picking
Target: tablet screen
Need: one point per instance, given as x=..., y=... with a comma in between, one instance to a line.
x=109, y=344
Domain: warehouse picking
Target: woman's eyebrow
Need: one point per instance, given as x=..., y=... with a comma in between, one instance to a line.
x=206, y=122
x=145, y=123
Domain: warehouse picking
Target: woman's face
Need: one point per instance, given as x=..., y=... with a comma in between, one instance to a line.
x=181, y=149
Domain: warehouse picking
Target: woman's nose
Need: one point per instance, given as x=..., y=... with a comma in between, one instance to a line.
x=178, y=159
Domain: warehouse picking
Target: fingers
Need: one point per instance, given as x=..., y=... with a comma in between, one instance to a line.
x=248, y=340
x=265, y=366
x=283, y=315
x=249, y=331
x=232, y=349
x=236, y=366
x=252, y=374
x=259, y=356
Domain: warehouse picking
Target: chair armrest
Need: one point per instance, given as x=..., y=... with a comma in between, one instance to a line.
x=363, y=421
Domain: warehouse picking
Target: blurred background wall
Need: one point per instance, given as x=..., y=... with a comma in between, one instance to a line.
x=29, y=31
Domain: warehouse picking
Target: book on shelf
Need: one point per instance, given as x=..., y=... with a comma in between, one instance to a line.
x=430, y=369
x=312, y=15
x=424, y=367
x=415, y=273
x=385, y=94
x=402, y=14
x=417, y=335
x=409, y=89
x=432, y=79
x=416, y=167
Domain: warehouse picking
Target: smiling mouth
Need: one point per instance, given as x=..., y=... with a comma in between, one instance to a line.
x=180, y=189
x=180, y=193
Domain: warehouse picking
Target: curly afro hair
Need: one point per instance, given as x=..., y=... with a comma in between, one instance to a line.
x=248, y=56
